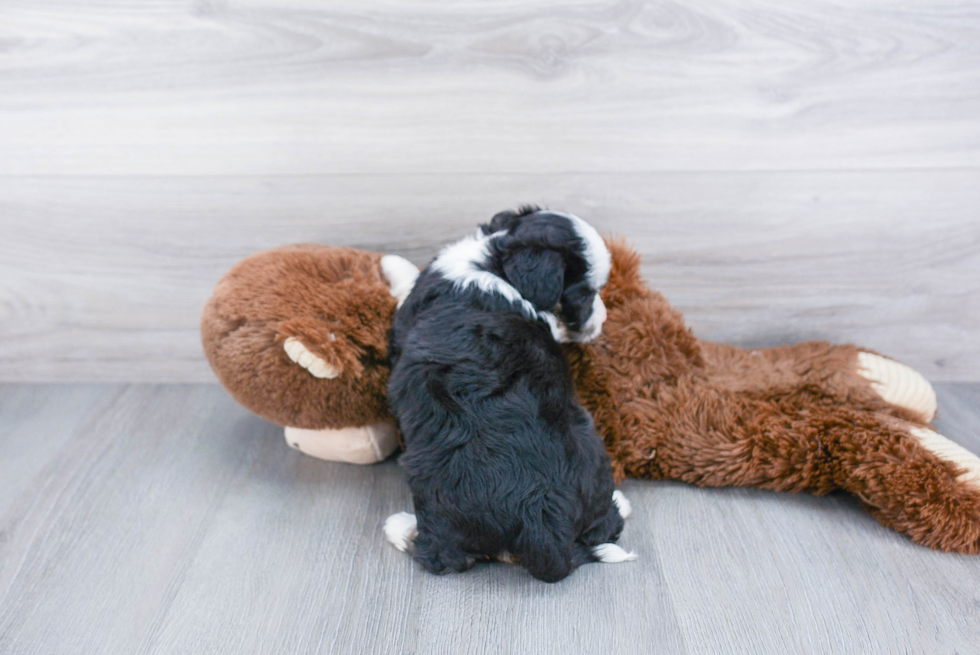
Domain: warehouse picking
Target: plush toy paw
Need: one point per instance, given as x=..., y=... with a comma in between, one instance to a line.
x=317, y=367
x=358, y=445
x=898, y=384
x=401, y=275
x=930, y=492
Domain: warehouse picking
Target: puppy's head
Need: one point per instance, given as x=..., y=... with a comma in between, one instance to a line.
x=556, y=261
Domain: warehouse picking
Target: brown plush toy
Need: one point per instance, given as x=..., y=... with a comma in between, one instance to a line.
x=299, y=335
x=812, y=417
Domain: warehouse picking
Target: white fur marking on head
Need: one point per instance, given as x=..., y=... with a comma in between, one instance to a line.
x=401, y=530
x=401, y=275
x=596, y=253
x=623, y=505
x=613, y=554
x=593, y=327
x=459, y=263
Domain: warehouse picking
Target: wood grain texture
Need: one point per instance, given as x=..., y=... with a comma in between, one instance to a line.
x=790, y=170
x=104, y=278
x=257, y=87
x=165, y=519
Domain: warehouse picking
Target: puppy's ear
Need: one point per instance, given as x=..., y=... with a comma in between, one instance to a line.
x=537, y=274
x=501, y=221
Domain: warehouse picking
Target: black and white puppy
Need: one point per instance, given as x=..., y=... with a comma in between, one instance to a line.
x=501, y=459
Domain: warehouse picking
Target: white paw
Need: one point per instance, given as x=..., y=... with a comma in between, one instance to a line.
x=316, y=366
x=401, y=275
x=898, y=384
x=623, y=505
x=950, y=451
x=613, y=554
x=401, y=530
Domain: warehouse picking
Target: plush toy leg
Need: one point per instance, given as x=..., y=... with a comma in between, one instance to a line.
x=898, y=384
x=949, y=451
x=858, y=378
x=916, y=481
x=911, y=479
x=356, y=445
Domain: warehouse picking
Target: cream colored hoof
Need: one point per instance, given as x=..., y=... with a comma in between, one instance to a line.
x=315, y=365
x=898, y=384
x=952, y=452
x=401, y=530
x=363, y=445
x=401, y=275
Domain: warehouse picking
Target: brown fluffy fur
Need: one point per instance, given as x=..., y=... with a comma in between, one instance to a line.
x=310, y=292
x=669, y=406
x=794, y=418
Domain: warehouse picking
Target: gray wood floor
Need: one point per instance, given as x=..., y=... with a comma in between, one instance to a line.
x=166, y=519
x=790, y=170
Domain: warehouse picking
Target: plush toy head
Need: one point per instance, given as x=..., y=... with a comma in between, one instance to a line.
x=298, y=334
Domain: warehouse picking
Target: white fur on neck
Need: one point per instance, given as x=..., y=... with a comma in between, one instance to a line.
x=460, y=264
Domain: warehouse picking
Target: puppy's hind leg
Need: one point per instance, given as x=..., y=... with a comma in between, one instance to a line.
x=605, y=530
x=546, y=557
x=400, y=530
x=546, y=544
x=437, y=551
x=599, y=539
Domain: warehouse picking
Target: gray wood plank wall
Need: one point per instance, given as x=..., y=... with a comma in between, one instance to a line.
x=789, y=170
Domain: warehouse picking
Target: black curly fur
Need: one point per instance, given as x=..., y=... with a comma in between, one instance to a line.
x=499, y=454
